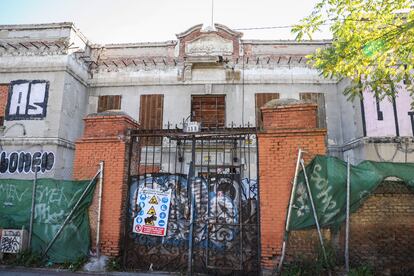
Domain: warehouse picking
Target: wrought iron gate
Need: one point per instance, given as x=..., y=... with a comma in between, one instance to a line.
x=214, y=174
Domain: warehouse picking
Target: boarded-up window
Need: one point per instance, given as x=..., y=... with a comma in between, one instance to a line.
x=319, y=99
x=109, y=102
x=210, y=110
x=150, y=112
x=4, y=90
x=260, y=100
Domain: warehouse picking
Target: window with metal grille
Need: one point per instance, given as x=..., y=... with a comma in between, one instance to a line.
x=210, y=110
x=109, y=102
x=260, y=100
x=319, y=99
x=4, y=90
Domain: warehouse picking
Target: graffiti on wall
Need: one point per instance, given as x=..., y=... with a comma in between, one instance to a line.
x=27, y=100
x=26, y=162
x=12, y=241
x=223, y=202
x=388, y=117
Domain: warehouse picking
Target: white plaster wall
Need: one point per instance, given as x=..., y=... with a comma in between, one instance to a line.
x=63, y=163
x=74, y=105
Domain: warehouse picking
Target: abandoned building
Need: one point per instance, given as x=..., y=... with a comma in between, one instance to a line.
x=66, y=104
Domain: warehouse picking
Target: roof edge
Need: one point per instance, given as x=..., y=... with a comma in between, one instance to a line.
x=43, y=26
x=190, y=30
x=136, y=44
x=287, y=42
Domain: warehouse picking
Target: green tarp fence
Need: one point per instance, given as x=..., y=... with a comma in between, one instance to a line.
x=327, y=179
x=54, y=201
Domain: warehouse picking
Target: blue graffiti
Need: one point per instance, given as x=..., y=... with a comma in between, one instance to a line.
x=221, y=202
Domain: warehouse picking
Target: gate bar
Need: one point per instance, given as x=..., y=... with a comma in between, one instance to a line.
x=191, y=179
x=285, y=236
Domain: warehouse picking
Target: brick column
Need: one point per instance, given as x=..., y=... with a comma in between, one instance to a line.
x=288, y=126
x=104, y=139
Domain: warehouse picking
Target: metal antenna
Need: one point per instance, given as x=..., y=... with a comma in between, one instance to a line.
x=212, y=13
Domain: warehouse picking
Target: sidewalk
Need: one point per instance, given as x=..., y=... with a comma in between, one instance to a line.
x=17, y=271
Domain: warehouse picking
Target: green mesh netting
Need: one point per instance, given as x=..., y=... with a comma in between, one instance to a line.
x=54, y=201
x=327, y=180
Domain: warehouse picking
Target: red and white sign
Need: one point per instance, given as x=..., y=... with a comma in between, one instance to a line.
x=154, y=208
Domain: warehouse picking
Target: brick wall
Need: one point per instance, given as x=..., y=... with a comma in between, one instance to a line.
x=4, y=90
x=381, y=233
x=303, y=116
x=305, y=244
x=286, y=129
x=105, y=140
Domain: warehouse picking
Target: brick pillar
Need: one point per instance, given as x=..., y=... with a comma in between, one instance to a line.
x=104, y=139
x=288, y=125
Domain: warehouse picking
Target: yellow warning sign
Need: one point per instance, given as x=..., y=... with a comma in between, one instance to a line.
x=153, y=200
x=151, y=211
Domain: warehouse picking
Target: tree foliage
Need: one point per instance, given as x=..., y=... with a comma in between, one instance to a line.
x=372, y=43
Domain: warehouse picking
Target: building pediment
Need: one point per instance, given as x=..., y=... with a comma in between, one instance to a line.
x=210, y=44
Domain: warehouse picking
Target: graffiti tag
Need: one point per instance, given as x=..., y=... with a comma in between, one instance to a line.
x=26, y=162
x=27, y=100
x=11, y=241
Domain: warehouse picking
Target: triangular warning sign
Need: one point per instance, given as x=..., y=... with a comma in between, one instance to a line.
x=153, y=200
x=151, y=211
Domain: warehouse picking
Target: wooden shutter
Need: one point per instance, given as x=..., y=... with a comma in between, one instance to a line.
x=4, y=91
x=209, y=110
x=150, y=116
x=319, y=99
x=109, y=102
x=260, y=100
x=150, y=112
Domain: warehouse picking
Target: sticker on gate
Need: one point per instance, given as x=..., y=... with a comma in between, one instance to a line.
x=154, y=208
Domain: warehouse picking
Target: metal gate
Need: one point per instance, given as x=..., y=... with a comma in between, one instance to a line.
x=213, y=224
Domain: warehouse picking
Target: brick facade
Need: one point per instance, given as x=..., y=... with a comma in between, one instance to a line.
x=382, y=230
x=286, y=129
x=4, y=92
x=381, y=234
x=104, y=139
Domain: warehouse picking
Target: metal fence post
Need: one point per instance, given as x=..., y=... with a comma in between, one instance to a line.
x=32, y=211
x=285, y=236
x=98, y=225
x=314, y=211
x=348, y=192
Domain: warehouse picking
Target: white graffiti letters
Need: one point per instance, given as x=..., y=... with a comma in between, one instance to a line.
x=27, y=100
x=329, y=205
x=12, y=194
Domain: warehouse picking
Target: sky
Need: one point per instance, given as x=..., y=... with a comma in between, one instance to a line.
x=127, y=21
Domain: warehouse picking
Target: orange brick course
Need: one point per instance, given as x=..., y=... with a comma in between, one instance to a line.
x=297, y=116
x=286, y=129
x=4, y=91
